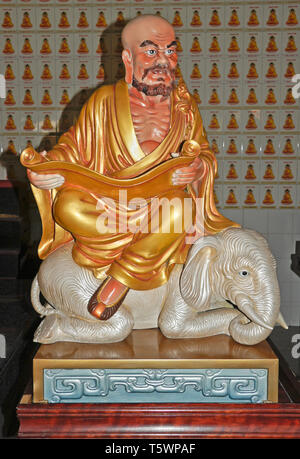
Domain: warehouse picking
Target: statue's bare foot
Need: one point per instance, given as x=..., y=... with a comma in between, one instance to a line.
x=107, y=299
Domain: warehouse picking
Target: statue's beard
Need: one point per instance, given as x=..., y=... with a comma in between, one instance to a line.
x=160, y=89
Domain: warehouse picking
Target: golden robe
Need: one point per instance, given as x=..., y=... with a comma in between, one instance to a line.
x=103, y=140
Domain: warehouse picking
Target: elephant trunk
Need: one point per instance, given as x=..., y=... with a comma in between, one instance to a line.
x=256, y=323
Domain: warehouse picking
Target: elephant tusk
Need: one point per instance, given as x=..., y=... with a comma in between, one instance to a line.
x=280, y=321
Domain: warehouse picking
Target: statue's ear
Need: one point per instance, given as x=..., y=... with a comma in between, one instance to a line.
x=127, y=60
x=195, y=282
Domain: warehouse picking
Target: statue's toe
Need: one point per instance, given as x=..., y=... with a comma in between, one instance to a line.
x=103, y=311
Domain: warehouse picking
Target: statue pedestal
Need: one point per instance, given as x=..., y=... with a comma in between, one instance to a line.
x=143, y=351
x=149, y=368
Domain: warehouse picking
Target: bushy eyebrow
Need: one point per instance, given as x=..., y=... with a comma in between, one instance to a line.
x=174, y=43
x=147, y=43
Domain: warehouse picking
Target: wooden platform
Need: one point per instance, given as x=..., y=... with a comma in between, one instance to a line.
x=168, y=421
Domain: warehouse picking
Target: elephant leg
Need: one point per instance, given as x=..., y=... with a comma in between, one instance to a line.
x=199, y=325
x=58, y=327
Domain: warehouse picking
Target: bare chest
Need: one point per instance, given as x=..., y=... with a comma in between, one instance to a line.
x=151, y=123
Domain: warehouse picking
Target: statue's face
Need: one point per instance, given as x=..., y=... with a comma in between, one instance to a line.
x=153, y=55
x=155, y=59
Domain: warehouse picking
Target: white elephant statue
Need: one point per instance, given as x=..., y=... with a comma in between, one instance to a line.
x=228, y=285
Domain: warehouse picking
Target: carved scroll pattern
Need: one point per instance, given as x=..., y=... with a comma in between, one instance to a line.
x=240, y=385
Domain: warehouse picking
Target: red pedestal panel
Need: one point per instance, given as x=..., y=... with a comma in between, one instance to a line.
x=170, y=421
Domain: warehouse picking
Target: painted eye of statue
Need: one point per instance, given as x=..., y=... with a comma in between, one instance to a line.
x=169, y=52
x=151, y=52
x=244, y=273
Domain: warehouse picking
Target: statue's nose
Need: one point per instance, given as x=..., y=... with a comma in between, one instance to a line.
x=162, y=59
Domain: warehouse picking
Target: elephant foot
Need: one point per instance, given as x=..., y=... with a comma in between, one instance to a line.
x=49, y=331
x=60, y=328
x=107, y=299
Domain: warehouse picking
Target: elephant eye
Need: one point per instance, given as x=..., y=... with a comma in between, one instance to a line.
x=244, y=273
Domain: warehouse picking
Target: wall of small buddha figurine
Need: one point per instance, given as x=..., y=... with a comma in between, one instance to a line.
x=238, y=59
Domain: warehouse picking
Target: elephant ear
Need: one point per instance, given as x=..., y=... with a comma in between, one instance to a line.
x=195, y=282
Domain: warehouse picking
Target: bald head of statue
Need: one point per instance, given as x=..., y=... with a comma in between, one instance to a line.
x=149, y=54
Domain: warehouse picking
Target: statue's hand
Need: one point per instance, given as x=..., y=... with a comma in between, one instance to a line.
x=45, y=181
x=186, y=175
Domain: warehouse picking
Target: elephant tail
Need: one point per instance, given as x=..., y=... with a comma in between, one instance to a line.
x=43, y=310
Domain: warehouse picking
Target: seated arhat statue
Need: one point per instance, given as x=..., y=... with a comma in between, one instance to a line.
x=136, y=145
x=123, y=131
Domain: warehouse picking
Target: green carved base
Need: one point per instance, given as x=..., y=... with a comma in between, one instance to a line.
x=113, y=385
